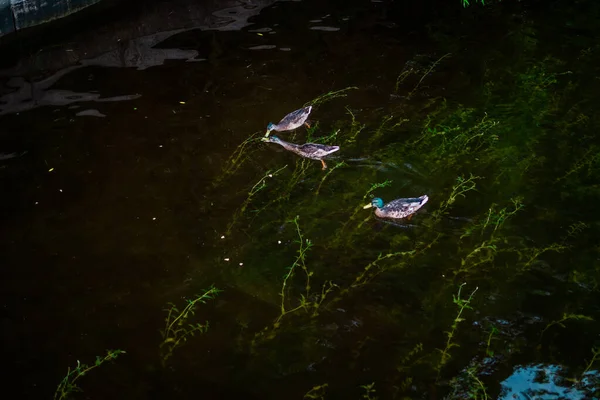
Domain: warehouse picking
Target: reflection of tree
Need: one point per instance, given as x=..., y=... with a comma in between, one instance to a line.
x=138, y=53
x=29, y=95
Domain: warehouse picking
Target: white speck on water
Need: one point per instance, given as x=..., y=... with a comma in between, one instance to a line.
x=90, y=113
x=153, y=218
x=314, y=21
x=241, y=264
x=227, y=259
x=263, y=47
x=279, y=242
x=285, y=49
x=223, y=237
x=324, y=28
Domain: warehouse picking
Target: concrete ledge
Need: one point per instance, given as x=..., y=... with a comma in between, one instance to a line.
x=29, y=13
x=19, y=14
x=7, y=23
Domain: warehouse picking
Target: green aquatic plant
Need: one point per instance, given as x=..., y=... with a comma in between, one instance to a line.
x=467, y=3
x=369, y=391
x=256, y=188
x=317, y=392
x=355, y=128
x=406, y=72
x=529, y=255
x=68, y=384
x=330, y=96
x=310, y=302
x=589, y=160
x=590, y=364
x=460, y=187
x=566, y=317
x=462, y=305
x=386, y=125
x=494, y=218
x=435, y=64
x=409, y=356
x=177, y=329
x=458, y=139
x=329, y=171
x=488, y=351
x=376, y=186
x=486, y=243
x=375, y=268
x=240, y=155
x=406, y=363
x=305, y=245
x=467, y=385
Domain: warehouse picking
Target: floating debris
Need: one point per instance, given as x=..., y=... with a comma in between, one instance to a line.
x=90, y=113
x=324, y=28
x=8, y=156
x=263, y=47
x=260, y=30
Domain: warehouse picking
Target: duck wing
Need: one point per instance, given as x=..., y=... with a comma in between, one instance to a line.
x=298, y=116
x=407, y=204
x=318, y=150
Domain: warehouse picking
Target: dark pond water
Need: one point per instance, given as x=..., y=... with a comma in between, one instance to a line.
x=137, y=179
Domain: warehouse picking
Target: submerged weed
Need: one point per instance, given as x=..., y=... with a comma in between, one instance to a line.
x=461, y=304
x=435, y=64
x=240, y=155
x=566, y=317
x=258, y=186
x=177, y=330
x=317, y=392
x=308, y=301
x=330, y=96
x=369, y=391
x=68, y=384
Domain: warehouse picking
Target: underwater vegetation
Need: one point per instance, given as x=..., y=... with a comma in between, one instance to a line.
x=494, y=176
x=459, y=294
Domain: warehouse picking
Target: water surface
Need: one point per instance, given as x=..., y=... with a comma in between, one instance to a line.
x=136, y=179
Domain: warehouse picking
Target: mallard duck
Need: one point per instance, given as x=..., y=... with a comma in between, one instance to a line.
x=313, y=151
x=293, y=120
x=399, y=208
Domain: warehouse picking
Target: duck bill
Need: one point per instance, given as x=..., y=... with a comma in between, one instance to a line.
x=267, y=133
x=368, y=206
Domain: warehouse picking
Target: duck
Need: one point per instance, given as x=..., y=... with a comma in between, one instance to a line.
x=399, y=208
x=293, y=120
x=314, y=151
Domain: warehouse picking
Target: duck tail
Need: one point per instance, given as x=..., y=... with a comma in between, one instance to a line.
x=424, y=199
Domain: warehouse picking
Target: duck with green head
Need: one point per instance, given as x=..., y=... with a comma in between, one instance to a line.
x=293, y=120
x=314, y=151
x=399, y=208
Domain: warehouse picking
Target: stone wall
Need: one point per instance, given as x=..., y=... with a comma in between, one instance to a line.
x=20, y=14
